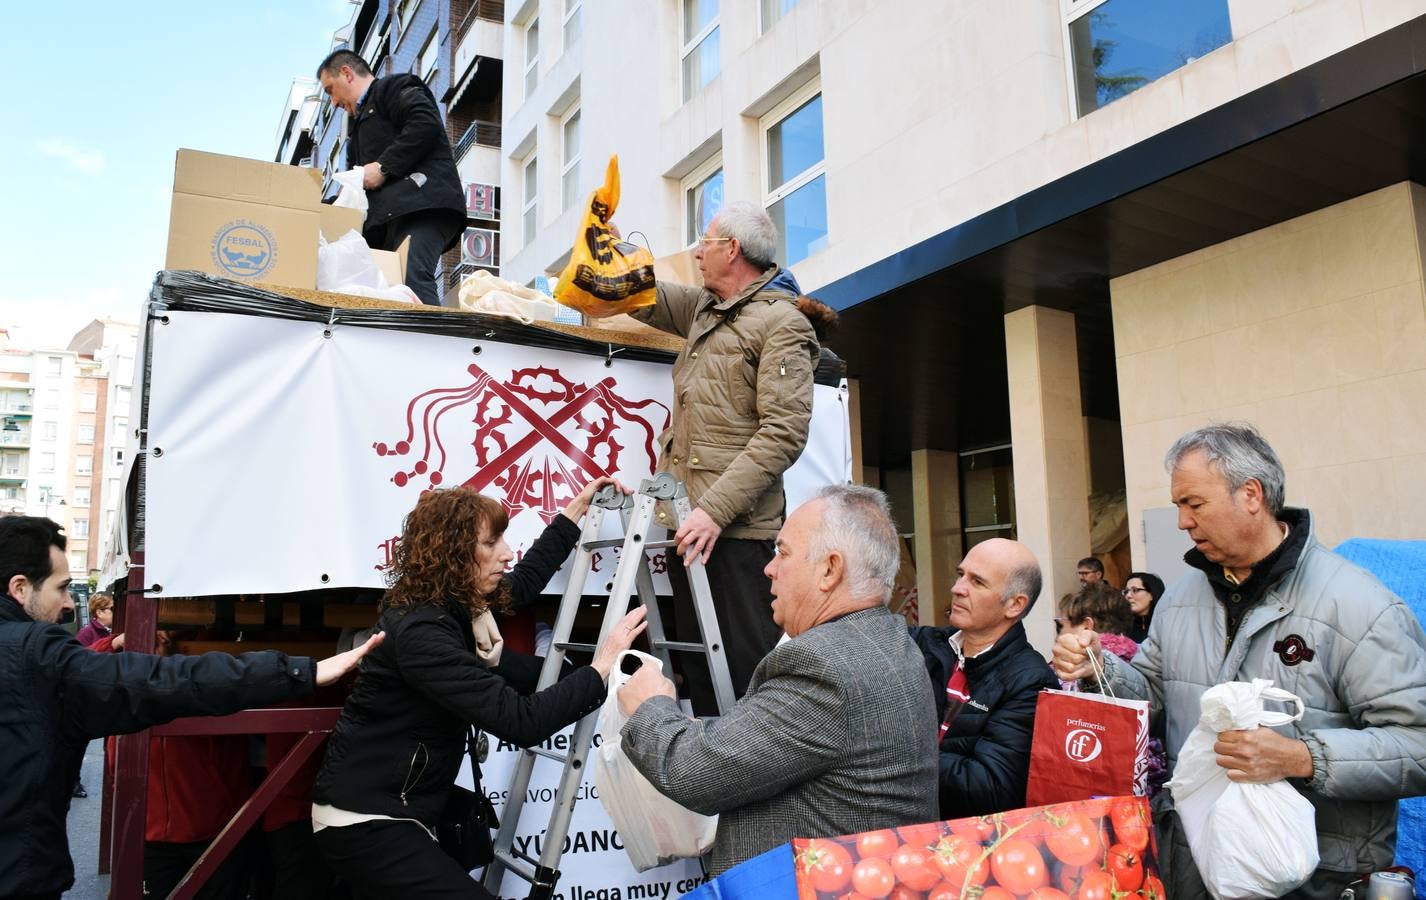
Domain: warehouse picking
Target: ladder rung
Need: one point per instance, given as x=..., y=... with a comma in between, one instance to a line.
x=515, y=864
x=681, y=645
x=567, y=646
x=601, y=544
x=548, y=754
x=660, y=545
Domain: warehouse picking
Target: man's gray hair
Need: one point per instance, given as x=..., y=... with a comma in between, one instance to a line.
x=856, y=522
x=1238, y=452
x=1025, y=580
x=751, y=225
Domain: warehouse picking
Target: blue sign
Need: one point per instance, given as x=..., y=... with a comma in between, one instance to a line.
x=244, y=249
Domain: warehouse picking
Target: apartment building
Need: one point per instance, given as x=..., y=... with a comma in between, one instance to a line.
x=1060, y=232
x=456, y=47
x=62, y=417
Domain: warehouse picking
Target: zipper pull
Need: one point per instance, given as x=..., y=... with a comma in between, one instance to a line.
x=782, y=369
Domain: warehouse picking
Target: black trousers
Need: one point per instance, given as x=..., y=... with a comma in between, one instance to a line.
x=165, y=864
x=429, y=233
x=298, y=872
x=393, y=861
x=742, y=597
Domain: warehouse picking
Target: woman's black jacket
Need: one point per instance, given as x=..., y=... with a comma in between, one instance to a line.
x=399, y=741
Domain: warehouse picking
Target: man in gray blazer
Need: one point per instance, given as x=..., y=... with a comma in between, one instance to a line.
x=837, y=732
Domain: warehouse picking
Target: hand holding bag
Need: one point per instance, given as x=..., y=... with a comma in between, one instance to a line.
x=655, y=829
x=464, y=828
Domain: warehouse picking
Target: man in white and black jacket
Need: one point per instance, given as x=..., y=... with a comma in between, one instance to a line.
x=396, y=134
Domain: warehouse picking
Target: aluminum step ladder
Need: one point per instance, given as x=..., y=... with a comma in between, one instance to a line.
x=632, y=573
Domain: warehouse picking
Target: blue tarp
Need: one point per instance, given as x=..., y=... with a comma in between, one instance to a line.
x=1401, y=566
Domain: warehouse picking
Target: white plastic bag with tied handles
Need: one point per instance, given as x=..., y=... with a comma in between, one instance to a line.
x=1249, y=840
x=655, y=829
x=352, y=195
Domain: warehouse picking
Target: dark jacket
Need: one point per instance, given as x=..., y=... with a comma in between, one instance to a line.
x=399, y=125
x=398, y=744
x=56, y=696
x=985, y=756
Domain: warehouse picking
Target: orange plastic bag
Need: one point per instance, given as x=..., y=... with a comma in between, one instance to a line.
x=606, y=276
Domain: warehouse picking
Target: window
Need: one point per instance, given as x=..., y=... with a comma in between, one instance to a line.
x=52, y=399
x=121, y=401
x=532, y=195
x=81, y=495
x=118, y=456
x=84, y=465
x=430, y=58
x=404, y=11
x=121, y=425
x=532, y=56
x=700, y=45
x=10, y=464
x=46, y=462
x=1118, y=46
x=87, y=401
x=81, y=529
x=773, y=10
x=86, y=434
x=50, y=430
x=702, y=198
x=571, y=22
x=76, y=558
x=569, y=174
x=54, y=366
x=10, y=493
x=796, y=181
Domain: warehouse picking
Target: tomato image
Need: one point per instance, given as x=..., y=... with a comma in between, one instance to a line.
x=1126, y=867
x=920, y=835
x=945, y=891
x=873, y=877
x=1153, y=889
x=826, y=865
x=954, y=854
x=915, y=867
x=876, y=843
x=1047, y=893
x=1070, y=878
x=1131, y=824
x=1077, y=842
x=852, y=895
x=1018, y=866
x=997, y=893
x=1097, y=885
x=978, y=830
x=902, y=892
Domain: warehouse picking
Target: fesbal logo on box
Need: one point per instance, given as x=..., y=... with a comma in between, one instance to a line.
x=244, y=249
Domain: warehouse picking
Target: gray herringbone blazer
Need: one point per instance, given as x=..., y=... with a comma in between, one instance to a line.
x=836, y=735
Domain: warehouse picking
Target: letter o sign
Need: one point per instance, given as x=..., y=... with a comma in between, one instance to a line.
x=1082, y=745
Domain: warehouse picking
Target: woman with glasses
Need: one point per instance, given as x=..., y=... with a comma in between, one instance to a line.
x=1142, y=590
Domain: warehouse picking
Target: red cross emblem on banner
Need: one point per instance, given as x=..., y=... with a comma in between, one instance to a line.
x=519, y=445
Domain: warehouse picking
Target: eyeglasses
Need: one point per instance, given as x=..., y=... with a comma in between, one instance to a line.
x=706, y=240
x=1085, y=572
x=1133, y=590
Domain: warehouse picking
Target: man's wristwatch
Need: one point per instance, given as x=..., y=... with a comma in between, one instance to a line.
x=385, y=172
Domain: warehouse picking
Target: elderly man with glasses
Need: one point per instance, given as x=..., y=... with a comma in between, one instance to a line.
x=742, y=389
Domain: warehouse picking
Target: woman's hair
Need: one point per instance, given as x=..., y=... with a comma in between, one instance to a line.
x=434, y=560
x=1102, y=603
x=99, y=603
x=1151, y=582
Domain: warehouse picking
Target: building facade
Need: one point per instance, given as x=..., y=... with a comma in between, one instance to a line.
x=63, y=414
x=456, y=47
x=1060, y=233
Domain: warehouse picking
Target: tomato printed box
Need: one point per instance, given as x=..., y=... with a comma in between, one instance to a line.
x=1099, y=849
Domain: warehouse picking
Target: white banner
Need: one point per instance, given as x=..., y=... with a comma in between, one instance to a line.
x=281, y=459
x=593, y=865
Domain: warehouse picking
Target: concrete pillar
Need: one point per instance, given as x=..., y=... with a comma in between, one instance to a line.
x=1048, y=452
x=936, y=505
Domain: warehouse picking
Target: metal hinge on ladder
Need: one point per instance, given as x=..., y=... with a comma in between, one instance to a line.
x=636, y=513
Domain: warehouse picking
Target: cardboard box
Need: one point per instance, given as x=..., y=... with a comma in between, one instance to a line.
x=392, y=263
x=338, y=220
x=244, y=219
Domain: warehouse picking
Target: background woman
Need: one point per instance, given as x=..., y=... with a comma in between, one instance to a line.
x=399, y=742
x=1142, y=590
x=101, y=620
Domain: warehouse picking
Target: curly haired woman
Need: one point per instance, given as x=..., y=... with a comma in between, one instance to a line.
x=399, y=741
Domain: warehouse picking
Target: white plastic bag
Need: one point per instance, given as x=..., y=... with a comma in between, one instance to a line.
x=655, y=830
x=352, y=195
x=1249, y=840
x=483, y=292
x=346, y=266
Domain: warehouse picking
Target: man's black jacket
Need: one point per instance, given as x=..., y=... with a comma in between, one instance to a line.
x=399, y=125
x=985, y=755
x=397, y=747
x=56, y=696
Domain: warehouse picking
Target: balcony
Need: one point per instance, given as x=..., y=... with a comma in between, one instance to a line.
x=13, y=476
x=481, y=140
x=14, y=440
x=492, y=11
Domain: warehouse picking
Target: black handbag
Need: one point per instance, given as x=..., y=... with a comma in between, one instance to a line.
x=464, y=828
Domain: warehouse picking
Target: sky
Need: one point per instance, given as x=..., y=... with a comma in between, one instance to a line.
x=103, y=95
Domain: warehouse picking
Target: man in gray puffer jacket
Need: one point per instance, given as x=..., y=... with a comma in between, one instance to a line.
x=1268, y=601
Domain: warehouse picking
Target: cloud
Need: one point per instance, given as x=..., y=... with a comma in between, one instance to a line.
x=81, y=159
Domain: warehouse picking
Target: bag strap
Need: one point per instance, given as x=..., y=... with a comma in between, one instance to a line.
x=1098, y=668
x=470, y=740
x=1274, y=719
